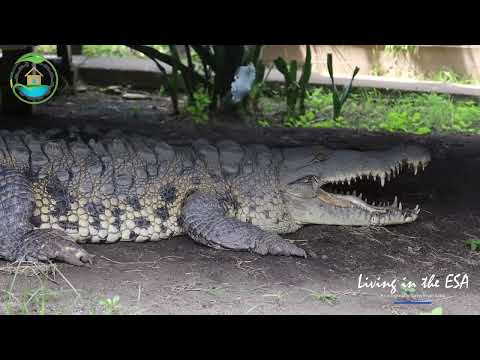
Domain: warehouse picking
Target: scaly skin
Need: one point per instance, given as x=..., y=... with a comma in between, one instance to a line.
x=130, y=188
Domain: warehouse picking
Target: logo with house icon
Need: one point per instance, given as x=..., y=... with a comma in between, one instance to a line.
x=33, y=79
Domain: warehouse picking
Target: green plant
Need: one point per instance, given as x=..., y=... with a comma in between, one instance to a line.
x=401, y=49
x=339, y=99
x=216, y=291
x=436, y=311
x=30, y=302
x=306, y=120
x=258, y=88
x=328, y=298
x=296, y=91
x=377, y=71
x=101, y=50
x=199, y=107
x=318, y=99
x=474, y=244
x=110, y=305
x=264, y=123
x=449, y=76
x=253, y=56
x=373, y=110
x=215, y=73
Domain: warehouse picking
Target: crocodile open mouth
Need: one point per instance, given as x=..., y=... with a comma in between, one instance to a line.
x=360, y=189
x=360, y=185
x=350, y=199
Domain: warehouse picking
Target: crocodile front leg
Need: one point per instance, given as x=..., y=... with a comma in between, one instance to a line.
x=18, y=238
x=205, y=222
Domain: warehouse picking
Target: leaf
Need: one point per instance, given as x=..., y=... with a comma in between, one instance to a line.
x=423, y=130
x=336, y=105
x=307, y=70
x=257, y=53
x=282, y=66
x=347, y=91
x=260, y=70
x=330, y=70
x=305, y=79
x=436, y=311
x=31, y=57
x=293, y=71
x=185, y=71
x=252, y=55
x=205, y=55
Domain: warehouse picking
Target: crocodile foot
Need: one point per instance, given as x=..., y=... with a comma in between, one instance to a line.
x=52, y=244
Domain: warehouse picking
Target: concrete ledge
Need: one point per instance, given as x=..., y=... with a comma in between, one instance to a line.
x=463, y=60
x=140, y=73
x=144, y=73
x=388, y=83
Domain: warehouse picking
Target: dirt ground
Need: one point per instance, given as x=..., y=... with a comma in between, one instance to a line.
x=178, y=276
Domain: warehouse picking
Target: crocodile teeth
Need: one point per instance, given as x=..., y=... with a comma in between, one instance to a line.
x=417, y=209
x=382, y=180
x=400, y=206
x=395, y=202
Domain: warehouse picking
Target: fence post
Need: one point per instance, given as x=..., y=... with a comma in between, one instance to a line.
x=77, y=49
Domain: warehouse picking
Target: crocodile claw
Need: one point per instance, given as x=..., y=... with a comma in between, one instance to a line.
x=75, y=255
x=286, y=248
x=279, y=247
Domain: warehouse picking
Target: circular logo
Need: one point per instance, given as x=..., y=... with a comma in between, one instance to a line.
x=33, y=79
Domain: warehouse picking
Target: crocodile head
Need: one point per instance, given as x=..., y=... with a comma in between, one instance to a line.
x=309, y=178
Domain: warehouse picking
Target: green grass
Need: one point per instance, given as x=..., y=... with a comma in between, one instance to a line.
x=110, y=306
x=29, y=302
x=45, y=301
x=199, y=109
x=102, y=50
x=449, y=76
x=397, y=50
x=330, y=299
x=436, y=311
x=417, y=113
x=474, y=244
x=324, y=297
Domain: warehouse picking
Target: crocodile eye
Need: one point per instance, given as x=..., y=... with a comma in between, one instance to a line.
x=309, y=179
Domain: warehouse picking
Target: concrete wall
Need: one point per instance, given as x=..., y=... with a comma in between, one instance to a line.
x=374, y=60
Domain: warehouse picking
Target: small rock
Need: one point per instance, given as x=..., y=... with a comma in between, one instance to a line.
x=324, y=257
x=113, y=90
x=135, y=96
x=81, y=89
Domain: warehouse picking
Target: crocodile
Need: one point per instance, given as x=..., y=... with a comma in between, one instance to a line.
x=59, y=189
